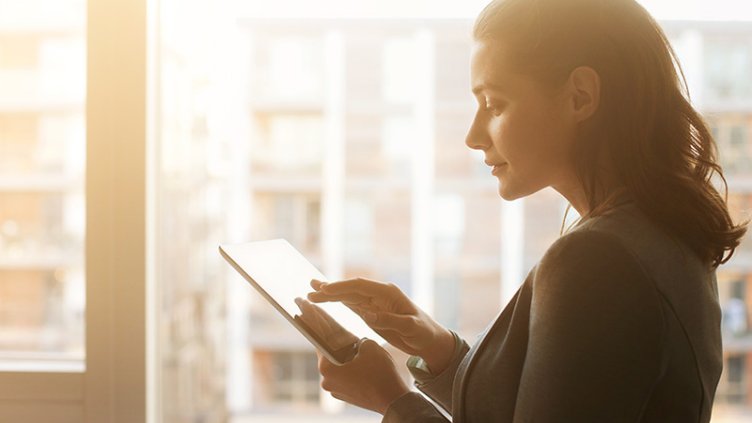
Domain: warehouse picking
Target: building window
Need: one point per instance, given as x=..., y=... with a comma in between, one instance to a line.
x=734, y=390
x=287, y=141
x=735, y=320
x=290, y=68
x=295, y=217
x=728, y=65
x=399, y=64
x=398, y=138
x=732, y=137
x=358, y=229
x=296, y=377
x=448, y=224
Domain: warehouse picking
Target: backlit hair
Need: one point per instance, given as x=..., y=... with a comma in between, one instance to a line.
x=659, y=146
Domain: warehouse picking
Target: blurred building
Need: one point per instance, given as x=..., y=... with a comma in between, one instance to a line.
x=42, y=88
x=391, y=98
x=717, y=59
x=352, y=148
x=190, y=193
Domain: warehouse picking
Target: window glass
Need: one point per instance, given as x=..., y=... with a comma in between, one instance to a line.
x=347, y=137
x=727, y=66
x=399, y=64
x=42, y=156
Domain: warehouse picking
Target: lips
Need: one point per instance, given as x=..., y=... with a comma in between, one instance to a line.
x=497, y=168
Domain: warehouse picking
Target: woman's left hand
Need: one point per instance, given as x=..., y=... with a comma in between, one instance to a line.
x=370, y=380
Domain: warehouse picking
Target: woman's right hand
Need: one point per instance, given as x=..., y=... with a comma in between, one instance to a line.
x=389, y=312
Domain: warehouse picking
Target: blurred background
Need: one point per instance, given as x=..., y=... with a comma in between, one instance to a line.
x=339, y=127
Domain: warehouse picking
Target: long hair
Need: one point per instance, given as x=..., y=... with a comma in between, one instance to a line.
x=659, y=146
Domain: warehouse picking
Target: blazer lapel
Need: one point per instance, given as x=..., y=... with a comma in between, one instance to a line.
x=460, y=384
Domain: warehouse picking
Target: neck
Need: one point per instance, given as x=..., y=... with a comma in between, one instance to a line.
x=575, y=195
x=608, y=192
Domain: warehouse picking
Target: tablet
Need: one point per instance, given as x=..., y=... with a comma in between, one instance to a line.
x=280, y=274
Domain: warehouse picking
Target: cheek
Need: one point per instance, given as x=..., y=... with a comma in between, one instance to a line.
x=518, y=136
x=539, y=136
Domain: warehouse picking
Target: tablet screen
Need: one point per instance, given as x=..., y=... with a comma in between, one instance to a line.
x=283, y=274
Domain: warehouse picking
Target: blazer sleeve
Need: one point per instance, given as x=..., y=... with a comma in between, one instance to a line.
x=597, y=336
x=413, y=407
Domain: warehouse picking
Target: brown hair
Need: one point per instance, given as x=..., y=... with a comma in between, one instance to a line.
x=659, y=146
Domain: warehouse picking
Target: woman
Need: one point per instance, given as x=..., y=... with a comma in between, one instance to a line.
x=619, y=321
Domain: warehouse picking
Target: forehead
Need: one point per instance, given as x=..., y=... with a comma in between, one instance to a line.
x=488, y=68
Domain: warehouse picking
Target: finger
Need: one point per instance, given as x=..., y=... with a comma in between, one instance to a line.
x=347, y=299
x=307, y=307
x=326, y=385
x=324, y=324
x=317, y=284
x=326, y=317
x=361, y=286
x=303, y=305
x=384, y=322
x=312, y=317
x=309, y=314
x=324, y=365
x=403, y=324
x=367, y=346
x=361, y=308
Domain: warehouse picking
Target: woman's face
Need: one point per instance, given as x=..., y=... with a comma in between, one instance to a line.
x=521, y=128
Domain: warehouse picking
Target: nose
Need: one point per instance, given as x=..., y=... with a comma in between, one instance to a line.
x=476, y=137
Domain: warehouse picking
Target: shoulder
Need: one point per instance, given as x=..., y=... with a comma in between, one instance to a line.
x=588, y=249
x=590, y=286
x=629, y=229
x=592, y=266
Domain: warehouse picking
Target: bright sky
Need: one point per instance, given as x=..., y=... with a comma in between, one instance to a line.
x=661, y=9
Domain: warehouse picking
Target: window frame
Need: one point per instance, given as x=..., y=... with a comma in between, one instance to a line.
x=120, y=350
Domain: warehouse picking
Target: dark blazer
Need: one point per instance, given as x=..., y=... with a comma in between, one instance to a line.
x=617, y=322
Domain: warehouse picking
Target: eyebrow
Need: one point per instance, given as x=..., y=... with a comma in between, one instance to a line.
x=493, y=87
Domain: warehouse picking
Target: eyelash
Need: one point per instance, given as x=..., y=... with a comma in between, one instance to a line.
x=493, y=110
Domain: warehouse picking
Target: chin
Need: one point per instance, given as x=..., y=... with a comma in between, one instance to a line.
x=511, y=194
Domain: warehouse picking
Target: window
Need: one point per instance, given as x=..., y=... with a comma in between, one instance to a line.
x=448, y=224
x=346, y=140
x=289, y=68
x=295, y=377
x=358, y=229
x=42, y=155
x=340, y=135
x=731, y=133
x=735, y=318
x=734, y=389
x=727, y=68
x=288, y=142
x=399, y=64
x=398, y=142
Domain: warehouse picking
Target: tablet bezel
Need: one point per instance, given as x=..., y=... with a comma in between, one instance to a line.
x=338, y=357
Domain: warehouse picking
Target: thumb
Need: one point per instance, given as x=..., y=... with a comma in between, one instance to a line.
x=367, y=345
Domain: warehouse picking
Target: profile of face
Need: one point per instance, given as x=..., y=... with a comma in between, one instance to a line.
x=525, y=129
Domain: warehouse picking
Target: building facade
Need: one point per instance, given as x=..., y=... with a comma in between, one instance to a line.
x=345, y=137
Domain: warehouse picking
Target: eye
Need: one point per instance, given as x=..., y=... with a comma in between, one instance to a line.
x=494, y=109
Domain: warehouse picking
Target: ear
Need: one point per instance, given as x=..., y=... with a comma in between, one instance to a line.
x=585, y=92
